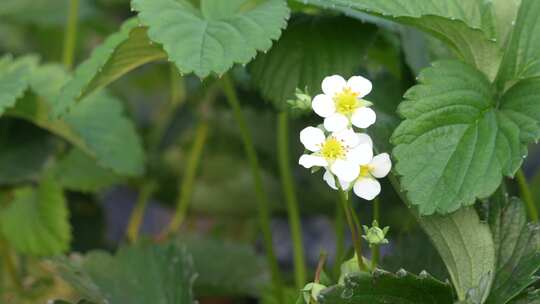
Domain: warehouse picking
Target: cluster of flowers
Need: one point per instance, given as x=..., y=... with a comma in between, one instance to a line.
x=345, y=154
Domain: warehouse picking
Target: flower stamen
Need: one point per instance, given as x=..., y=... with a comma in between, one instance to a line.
x=346, y=101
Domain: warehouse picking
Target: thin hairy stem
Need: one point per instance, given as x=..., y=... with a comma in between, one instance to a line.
x=290, y=199
x=526, y=195
x=344, y=198
x=186, y=185
x=262, y=199
x=340, y=238
x=375, y=249
x=137, y=214
x=70, y=35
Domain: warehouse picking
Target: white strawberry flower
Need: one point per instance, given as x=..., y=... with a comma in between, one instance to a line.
x=366, y=185
x=341, y=103
x=340, y=152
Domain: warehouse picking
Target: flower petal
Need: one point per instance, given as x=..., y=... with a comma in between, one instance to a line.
x=367, y=188
x=363, y=117
x=333, y=84
x=362, y=154
x=323, y=105
x=347, y=136
x=360, y=85
x=345, y=170
x=336, y=122
x=363, y=138
x=330, y=179
x=308, y=161
x=312, y=138
x=381, y=165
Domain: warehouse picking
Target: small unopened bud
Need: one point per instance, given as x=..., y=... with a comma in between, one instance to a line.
x=311, y=291
x=301, y=104
x=374, y=235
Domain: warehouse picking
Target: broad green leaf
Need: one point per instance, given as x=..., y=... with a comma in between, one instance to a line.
x=36, y=220
x=465, y=25
x=459, y=137
x=517, y=246
x=223, y=276
x=121, y=53
x=309, y=50
x=522, y=58
x=78, y=172
x=211, y=37
x=14, y=78
x=504, y=14
x=24, y=151
x=465, y=245
x=385, y=287
x=140, y=274
x=97, y=126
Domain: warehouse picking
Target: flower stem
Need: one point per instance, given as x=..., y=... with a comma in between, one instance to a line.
x=340, y=239
x=262, y=199
x=526, y=195
x=70, y=36
x=375, y=249
x=320, y=267
x=186, y=186
x=344, y=198
x=136, y=217
x=290, y=198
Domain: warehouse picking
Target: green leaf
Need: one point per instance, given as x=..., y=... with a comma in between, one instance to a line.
x=36, y=220
x=522, y=59
x=293, y=62
x=504, y=14
x=97, y=126
x=212, y=37
x=138, y=274
x=459, y=138
x=14, y=78
x=465, y=245
x=222, y=276
x=65, y=302
x=466, y=26
x=385, y=287
x=78, y=172
x=121, y=53
x=25, y=151
x=517, y=246
x=532, y=297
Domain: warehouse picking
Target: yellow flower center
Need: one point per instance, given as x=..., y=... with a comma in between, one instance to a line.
x=332, y=149
x=365, y=170
x=346, y=101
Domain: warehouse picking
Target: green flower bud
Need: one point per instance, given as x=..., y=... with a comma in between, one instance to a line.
x=301, y=104
x=375, y=235
x=311, y=291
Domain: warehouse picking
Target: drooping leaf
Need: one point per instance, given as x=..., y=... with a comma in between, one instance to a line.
x=25, y=150
x=97, y=126
x=466, y=26
x=14, y=79
x=465, y=245
x=78, y=172
x=223, y=276
x=119, y=54
x=139, y=274
x=459, y=137
x=385, y=287
x=36, y=220
x=212, y=37
x=522, y=59
x=517, y=246
x=309, y=50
